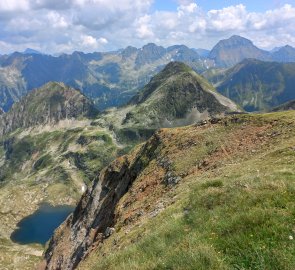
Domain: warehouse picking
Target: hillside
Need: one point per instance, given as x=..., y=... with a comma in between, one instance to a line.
x=47, y=105
x=216, y=195
x=176, y=96
x=256, y=85
x=229, y=52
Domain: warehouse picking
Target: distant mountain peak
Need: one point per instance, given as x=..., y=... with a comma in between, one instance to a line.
x=284, y=54
x=233, y=50
x=128, y=51
x=31, y=51
x=47, y=105
x=150, y=45
x=239, y=38
x=177, y=96
x=149, y=53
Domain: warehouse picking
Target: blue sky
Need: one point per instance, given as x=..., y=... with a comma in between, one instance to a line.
x=55, y=26
x=252, y=5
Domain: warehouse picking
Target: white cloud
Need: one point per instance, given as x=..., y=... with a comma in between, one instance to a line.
x=68, y=25
x=103, y=41
x=229, y=18
x=143, y=27
x=186, y=9
x=56, y=20
x=13, y=5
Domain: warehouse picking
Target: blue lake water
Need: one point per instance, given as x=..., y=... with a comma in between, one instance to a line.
x=39, y=227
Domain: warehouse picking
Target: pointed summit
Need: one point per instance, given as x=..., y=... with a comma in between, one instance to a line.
x=177, y=96
x=47, y=105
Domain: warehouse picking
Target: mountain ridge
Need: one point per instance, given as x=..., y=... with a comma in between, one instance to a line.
x=112, y=78
x=176, y=96
x=257, y=85
x=47, y=105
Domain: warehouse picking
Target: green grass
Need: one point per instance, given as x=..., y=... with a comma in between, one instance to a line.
x=241, y=217
x=221, y=225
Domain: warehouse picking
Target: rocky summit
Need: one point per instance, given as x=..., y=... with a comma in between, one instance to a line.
x=47, y=105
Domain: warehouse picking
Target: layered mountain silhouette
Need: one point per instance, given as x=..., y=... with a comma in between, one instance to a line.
x=284, y=54
x=109, y=79
x=112, y=78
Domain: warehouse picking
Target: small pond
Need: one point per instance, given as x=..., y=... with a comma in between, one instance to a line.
x=39, y=227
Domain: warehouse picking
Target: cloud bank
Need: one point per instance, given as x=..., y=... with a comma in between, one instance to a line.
x=54, y=26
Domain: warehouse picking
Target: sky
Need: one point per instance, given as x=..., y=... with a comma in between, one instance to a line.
x=64, y=26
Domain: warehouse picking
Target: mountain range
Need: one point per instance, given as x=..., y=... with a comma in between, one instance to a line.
x=176, y=176
x=54, y=142
x=112, y=78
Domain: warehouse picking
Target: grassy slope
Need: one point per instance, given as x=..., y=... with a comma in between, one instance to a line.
x=233, y=209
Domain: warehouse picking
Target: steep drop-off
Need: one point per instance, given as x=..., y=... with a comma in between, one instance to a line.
x=49, y=152
x=216, y=195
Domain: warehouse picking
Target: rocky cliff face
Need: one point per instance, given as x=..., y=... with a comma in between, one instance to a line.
x=95, y=215
x=47, y=105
